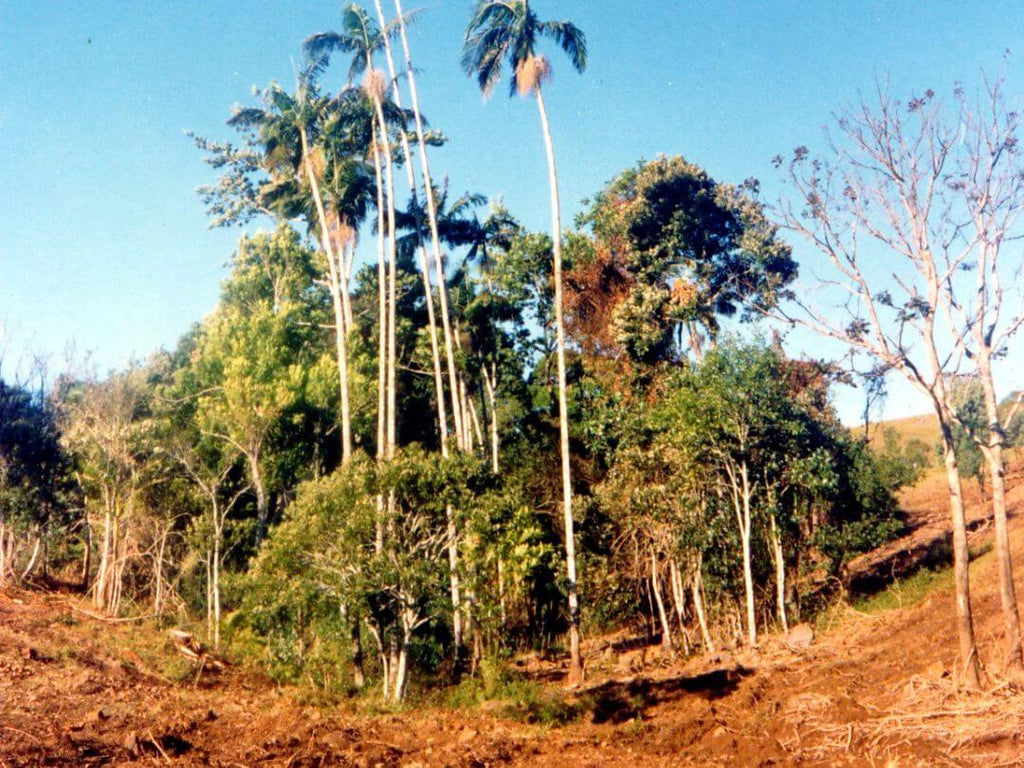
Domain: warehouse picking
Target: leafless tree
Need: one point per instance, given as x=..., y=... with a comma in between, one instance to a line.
x=882, y=210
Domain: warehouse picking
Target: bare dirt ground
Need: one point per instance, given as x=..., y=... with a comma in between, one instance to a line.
x=871, y=690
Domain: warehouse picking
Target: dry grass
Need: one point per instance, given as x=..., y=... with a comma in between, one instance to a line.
x=924, y=428
x=929, y=714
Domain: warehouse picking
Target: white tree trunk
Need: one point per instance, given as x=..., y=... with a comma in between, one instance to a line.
x=780, y=573
x=435, y=240
x=334, y=267
x=698, y=607
x=576, y=669
x=666, y=630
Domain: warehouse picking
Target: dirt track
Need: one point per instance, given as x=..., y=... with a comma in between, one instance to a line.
x=873, y=690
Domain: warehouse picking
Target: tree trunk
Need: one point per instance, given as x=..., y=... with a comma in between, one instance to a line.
x=358, y=675
x=666, y=630
x=392, y=312
x=103, y=574
x=576, y=664
x=334, y=267
x=217, y=536
x=993, y=453
x=209, y=595
x=32, y=560
x=262, y=503
x=780, y=573
x=435, y=240
x=382, y=325
x=442, y=287
x=424, y=264
x=676, y=580
x=492, y=399
x=698, y=607
x=743, y=513
x=961, y=561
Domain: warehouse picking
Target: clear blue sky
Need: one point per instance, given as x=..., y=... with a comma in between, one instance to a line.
x=103, y=240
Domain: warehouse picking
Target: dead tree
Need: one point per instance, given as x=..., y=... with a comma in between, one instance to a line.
x=984, y=201
x=874, y=208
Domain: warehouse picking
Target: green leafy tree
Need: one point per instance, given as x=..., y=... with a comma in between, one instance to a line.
x=673, y=251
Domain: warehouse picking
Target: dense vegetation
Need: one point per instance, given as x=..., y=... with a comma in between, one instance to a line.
x=360, y=471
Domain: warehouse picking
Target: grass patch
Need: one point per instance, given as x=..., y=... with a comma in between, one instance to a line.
x=518, y=698
x=908, y=591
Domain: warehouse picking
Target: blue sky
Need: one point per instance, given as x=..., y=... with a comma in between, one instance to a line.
x=103, y=240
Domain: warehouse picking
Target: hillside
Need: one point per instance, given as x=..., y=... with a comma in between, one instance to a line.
x=924, y=427
x=874, y=688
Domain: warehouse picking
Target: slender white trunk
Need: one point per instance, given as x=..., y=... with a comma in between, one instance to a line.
x=262, y=502
x=698, y=607
x=435, y=240
x=992, y=448
x=678, y=594
x=209, y=595
x=32, y=560
x=490, y=388
x=335, y=280
x=666, y=630
x=442, y=415
x=780, y=573
x=474, y=419
x=961, y=562
x=743, y=514
x=576, y=669
x=382, y=335
x=217, y=535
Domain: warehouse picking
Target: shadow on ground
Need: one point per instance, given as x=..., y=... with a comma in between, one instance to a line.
x=620, y=701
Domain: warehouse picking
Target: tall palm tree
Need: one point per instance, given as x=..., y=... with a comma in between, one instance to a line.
x=509, y=30
x=435, y=240
x=361, y=37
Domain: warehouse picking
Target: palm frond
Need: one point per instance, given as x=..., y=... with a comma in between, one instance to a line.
x=323, y=44
x=247, y=117
x=569, y=38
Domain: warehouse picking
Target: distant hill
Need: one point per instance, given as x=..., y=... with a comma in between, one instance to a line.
x=924, y=428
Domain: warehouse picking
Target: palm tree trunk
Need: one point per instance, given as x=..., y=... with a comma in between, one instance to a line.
x=334, y=267
x=442, y=415
x=389, y=179
x=576, y=668
x=455, y=588
x=490, y=385
x=382, y=325
x=435, y=240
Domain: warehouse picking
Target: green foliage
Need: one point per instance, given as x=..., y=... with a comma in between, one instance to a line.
x=900, y=464
x=523, y=699
x=968, y=403
x=690, y=251
x=907, y=592
x=35, y=487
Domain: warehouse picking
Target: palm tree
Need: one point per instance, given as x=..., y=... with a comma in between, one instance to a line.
x=509, y=30
x=435, y=240
x=361, y=37
x=285, y=128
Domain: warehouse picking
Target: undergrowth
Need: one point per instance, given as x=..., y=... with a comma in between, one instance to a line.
x=518, y=698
